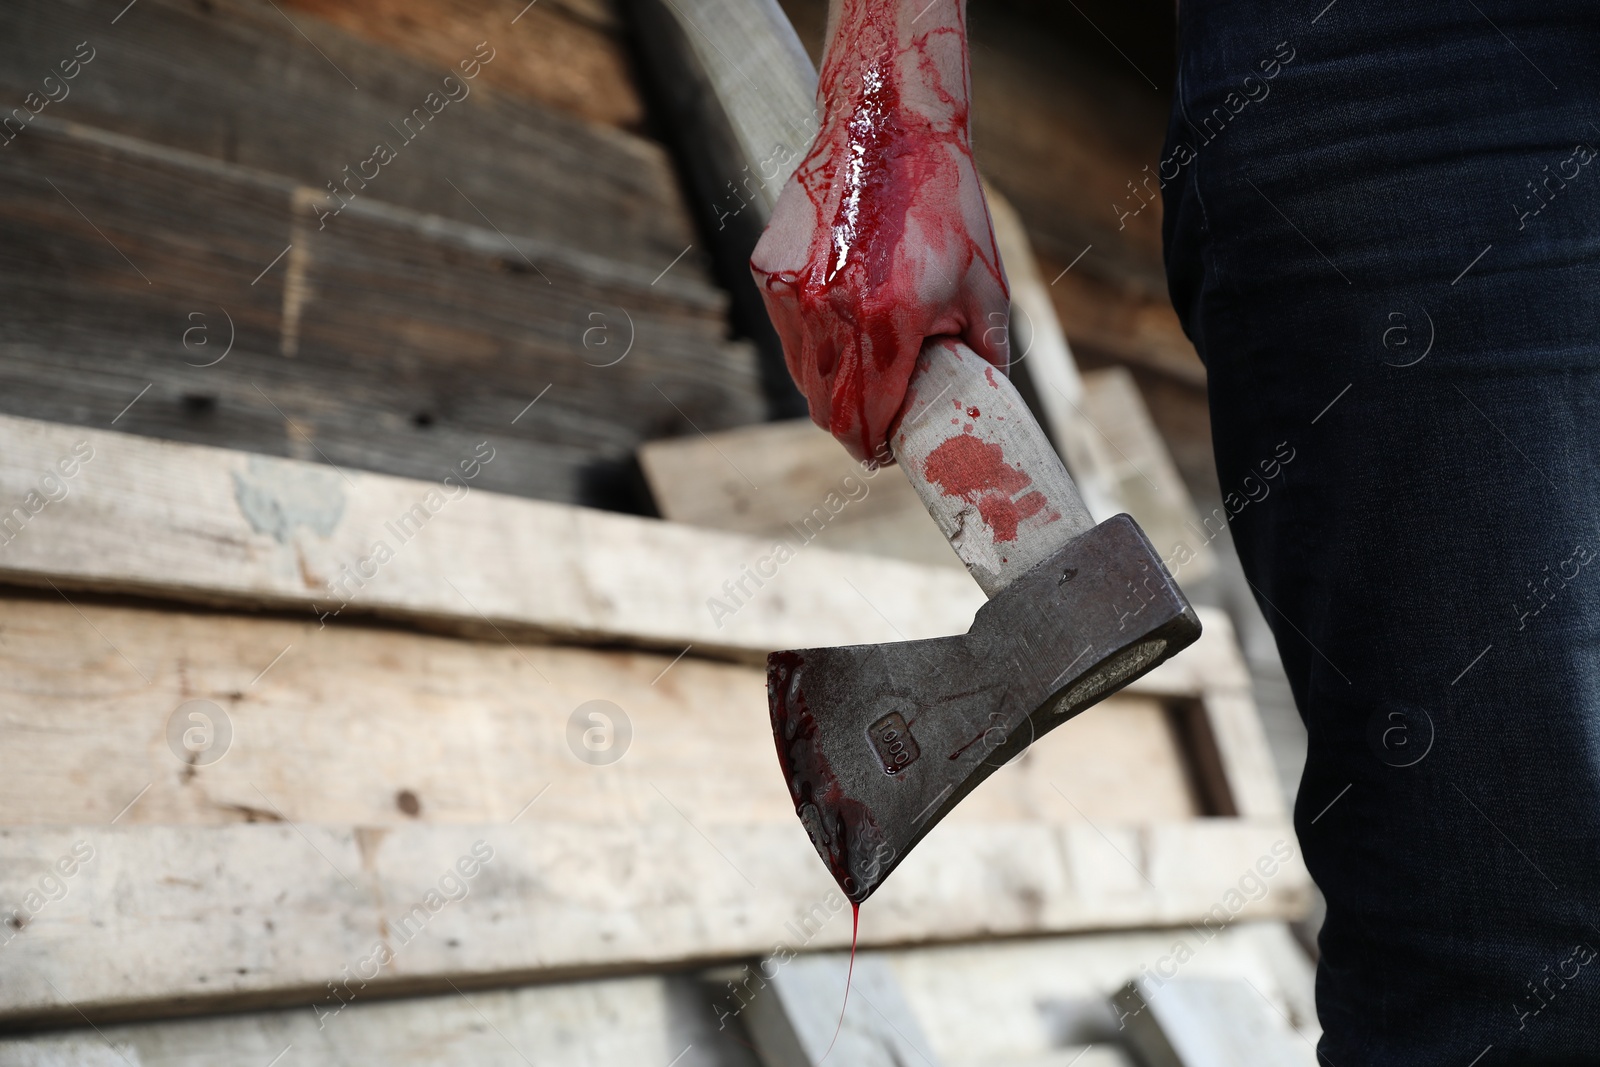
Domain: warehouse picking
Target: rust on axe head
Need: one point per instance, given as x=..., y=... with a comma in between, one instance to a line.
x=879, y=742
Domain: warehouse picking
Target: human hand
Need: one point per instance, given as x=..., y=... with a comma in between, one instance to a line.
x=882, y=237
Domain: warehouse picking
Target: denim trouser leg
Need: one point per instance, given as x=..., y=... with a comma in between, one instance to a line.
x=1383, y=236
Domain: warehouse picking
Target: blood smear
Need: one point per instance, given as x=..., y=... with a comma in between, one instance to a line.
x=976, y=471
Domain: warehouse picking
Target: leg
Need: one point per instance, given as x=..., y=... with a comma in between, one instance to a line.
x=1383, y=231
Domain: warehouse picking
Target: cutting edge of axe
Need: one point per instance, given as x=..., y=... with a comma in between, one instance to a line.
x=879, y=742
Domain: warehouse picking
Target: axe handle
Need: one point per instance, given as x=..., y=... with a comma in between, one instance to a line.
x=984, y=469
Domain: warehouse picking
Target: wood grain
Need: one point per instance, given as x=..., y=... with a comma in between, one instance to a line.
x=736, y=96
x=201, y=525
x=1009, y=1002
x=214, y=526
x=792, y=466
x=171, y=920
x=568, y=54
x=389, y=340
x=1130, y=453
x=238, y=81
x=364, y=762
x=381, y=728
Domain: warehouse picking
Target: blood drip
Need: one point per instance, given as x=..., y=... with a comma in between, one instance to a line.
x=976, y=471
x=849, y=974
x=869, y=175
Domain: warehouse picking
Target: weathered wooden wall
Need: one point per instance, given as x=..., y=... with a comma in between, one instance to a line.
x=177, y=201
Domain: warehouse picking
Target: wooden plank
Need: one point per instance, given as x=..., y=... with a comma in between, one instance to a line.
x=391, y=340
x=234, y=80
x=218, y=527
x=569, y=54
x=1041, y=1000
x=1133, y=455
x=1197, y=1022
x=643, y=1020
x=364, y=763
x=1228, y=742
x=797, y=1021
x=205, y=919
x=756, y=88
x=214, y=526
x=1000, y=1004
x=1039, y=351
x=786, y=472
x=376, y=727
x=737, y=96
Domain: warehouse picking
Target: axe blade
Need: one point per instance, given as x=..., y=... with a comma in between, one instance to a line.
x=879, y=742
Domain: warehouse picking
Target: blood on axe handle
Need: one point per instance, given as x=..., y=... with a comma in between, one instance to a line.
x=879, y=742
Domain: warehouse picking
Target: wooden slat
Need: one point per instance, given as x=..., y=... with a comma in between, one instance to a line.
x=786, y=472
x=363, y=763
x=1130, y=453
x=213, y=526
x=1038, y=1001
x=799, y=1018
x=736, y=94
x=378, y=727
x=1017, y=1003
x=192, y=523
x=217, y=527
x=170, y=920
x=234, y=80
x=1197, y=1022
x=391, y=340
x=645, y=1021
x=1040, y=352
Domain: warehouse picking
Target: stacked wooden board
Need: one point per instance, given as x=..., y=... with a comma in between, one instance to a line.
x=365, y=768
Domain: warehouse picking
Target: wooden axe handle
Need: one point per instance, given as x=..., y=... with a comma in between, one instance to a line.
x=984, y=469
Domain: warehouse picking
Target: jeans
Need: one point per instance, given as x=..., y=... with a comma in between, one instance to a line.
x=1383, y=236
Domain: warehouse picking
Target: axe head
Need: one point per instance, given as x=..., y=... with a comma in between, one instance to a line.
x=879, y=742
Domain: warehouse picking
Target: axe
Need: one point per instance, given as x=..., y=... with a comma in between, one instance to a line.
x=879, y=742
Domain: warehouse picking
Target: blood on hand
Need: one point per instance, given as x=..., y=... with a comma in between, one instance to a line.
x=881, y=238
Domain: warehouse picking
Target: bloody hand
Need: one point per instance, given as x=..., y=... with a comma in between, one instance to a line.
x=881, y=238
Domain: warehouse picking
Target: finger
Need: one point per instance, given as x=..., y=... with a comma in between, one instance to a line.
x=988, y=317
x=887, y=381
x=785, y=244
